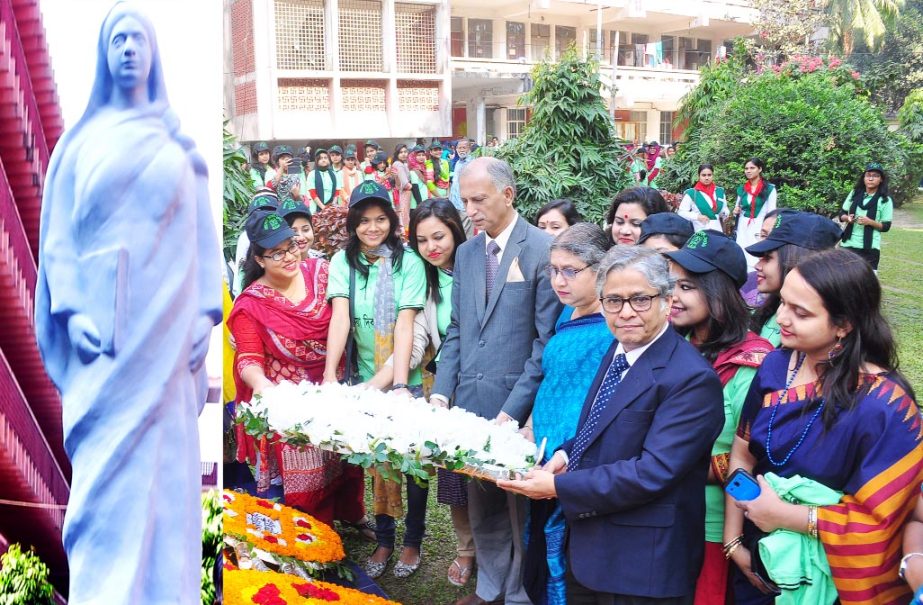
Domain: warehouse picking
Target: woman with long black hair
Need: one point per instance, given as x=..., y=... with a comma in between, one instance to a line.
x=867, y=213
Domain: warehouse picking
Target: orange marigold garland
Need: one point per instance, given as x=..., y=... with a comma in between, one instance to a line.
x=247, y=587
x=279, y=529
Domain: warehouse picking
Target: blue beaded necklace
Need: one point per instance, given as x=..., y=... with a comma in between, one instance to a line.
x=772, y=418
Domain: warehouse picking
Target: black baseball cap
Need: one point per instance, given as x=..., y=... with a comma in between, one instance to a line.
x=280, y=150
x=350, y=152
x=417, y=149
x=291, y=207
x=371, y=143
x=368, y=190
x=268, y=229
x=319, y=151
x=665, y=223
x=380, y=157
x=711, y=250
x=263, y=200
x=803, y=229
x=260, y=147
x=336, y=149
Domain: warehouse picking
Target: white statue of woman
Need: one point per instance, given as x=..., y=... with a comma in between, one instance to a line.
x=128, y=291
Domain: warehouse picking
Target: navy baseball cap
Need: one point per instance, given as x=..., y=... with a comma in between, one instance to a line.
x=803, y=229
x=371, y=143
x=711, y=250
x=280, y=150
x=336, y=149
x=368, y=190
x=260, y=147
x=665, y=223
x=350, y=152
x=290, y=208
x=266, y=228
x=263, y=200
x=435, y=145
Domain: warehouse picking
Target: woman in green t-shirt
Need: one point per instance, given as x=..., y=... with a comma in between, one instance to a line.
x=381, y=286
x=709, y=310
x=867, y=213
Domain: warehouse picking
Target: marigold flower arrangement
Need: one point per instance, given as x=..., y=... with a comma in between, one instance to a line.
x=279, y=529
x=248, y=587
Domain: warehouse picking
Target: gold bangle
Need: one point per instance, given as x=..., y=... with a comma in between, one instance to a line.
x=736, y=540
x=730, y=552
x=812, y=521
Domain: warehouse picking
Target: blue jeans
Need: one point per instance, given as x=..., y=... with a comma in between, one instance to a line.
x=414, y=522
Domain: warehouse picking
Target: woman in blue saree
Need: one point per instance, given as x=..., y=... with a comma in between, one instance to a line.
x=569, y=364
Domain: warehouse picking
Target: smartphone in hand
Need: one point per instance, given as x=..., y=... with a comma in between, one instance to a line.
x=742, y=486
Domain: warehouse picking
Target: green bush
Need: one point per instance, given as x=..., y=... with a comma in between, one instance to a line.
x=24, y=579
x=810, y=122
x=569, y=147
x=211, y=542
x=238, y=189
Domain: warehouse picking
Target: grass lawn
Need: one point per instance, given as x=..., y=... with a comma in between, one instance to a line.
x=901, y=274
x=902, y=279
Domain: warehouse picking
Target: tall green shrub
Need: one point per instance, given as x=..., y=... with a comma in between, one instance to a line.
x=569, y=147
x=238, y=189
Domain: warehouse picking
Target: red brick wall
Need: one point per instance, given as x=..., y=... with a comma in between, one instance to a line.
x=245, y=98
x=242, y=37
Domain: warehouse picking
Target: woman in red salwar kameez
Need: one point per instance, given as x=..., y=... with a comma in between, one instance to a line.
x=279, y=323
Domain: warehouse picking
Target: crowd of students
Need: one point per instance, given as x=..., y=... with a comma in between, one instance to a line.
x=795, y=366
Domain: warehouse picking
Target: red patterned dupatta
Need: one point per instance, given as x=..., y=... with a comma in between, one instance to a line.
x=749, y=352
x=862, y=534
x=286, y=329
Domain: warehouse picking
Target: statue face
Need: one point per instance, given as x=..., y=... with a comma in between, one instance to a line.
x=129, y=54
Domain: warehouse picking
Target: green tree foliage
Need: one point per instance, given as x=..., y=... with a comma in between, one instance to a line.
x=211, y=542
x=811, y=123
x=24, y=579
x=910, y=116
x=867, y=20
x=898, y=68
x=569, y=147
x=238, y=189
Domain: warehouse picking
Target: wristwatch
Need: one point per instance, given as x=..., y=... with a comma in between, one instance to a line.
x=399, y=385
x=903, y=568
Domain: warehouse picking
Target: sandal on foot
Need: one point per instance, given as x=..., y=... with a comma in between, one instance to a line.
x=365, y=527
x=464, y=573
x=405, y=570
x=375, y=569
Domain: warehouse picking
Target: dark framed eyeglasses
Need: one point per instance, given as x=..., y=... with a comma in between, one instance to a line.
x=640, y=303
x=278, y=256
x=569, y=273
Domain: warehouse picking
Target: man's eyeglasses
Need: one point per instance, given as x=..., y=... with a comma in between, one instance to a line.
x=614, y=304
x=278, y=256
x=569, y=273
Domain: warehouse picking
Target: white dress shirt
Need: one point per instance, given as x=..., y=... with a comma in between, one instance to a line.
x=502, y=238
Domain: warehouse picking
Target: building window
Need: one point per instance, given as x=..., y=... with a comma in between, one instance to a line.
x=417, y=96
x=634, y=129
x=458, y=36
x=416, y=37
x=564, y=38
x=480, y=38
x=666, y=127
x=304, y=95
x=300, y=35
x=515, y=40
x=541, y=40
x=360, y=35
x=591, y=51
x=694, y=53
x=515, y=122
x=669, y=48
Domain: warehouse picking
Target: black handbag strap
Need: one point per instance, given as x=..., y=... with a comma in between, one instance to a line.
x=351, y=339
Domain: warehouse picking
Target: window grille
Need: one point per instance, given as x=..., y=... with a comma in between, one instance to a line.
x=304, y=95
x=417, y=96
x=416, y=38
x=360, y=36
x=300, y=35
x=363, y=95
x=515, y=122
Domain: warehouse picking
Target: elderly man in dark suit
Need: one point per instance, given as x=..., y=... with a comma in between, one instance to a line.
x=631, y=482
x=503, y=313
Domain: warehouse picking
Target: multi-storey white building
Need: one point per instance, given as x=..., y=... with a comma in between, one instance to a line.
x=650, y=49
x=323, y=70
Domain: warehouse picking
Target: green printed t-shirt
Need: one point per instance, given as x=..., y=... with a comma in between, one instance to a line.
x=735, y=391
x=772, y=332
x=409, y=293
x=884, y=214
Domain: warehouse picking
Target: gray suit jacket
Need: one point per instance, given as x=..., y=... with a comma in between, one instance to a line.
x=491, y=358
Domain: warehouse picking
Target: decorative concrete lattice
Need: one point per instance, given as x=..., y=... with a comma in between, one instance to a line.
x=416, y=38
x=363, y=95
x=304, y=95
x=300, y=35
x=413, y=95
x=360, y=36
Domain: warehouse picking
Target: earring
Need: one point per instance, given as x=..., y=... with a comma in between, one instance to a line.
x=835, y=351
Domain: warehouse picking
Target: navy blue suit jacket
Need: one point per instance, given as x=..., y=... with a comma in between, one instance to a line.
x=635, y=507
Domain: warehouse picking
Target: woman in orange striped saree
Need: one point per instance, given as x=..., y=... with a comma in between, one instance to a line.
x=828, y=413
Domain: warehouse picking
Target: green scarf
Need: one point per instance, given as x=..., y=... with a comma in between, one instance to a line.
x=743, y=198
x=702, y=202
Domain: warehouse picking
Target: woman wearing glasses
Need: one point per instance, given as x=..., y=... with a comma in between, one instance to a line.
x=279, y=323
x=571, y=356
